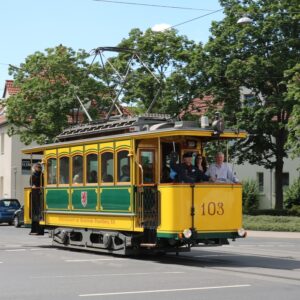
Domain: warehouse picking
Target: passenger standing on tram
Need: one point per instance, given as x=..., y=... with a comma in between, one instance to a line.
x=200, y=163
x=186, y=172
x=36, y=182
x=220, y=171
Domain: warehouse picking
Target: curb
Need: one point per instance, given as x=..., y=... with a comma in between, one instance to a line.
x=273, y=234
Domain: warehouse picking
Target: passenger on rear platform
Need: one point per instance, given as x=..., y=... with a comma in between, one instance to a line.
x=220, y=171
x=186, y=172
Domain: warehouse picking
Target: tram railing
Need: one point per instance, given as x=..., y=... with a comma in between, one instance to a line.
x=148, y=206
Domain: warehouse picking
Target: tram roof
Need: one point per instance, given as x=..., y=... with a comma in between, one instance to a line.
x=152, y=130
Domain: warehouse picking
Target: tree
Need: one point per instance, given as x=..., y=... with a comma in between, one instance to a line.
x=293, y=94
x=49, y=83
x=170, y=57
x=255, y=56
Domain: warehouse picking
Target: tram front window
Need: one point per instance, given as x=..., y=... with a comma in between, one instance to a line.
x=147, y=162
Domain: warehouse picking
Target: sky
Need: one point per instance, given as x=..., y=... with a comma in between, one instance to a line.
x=27, y=26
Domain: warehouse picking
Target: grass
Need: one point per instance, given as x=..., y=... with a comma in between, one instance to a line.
x=271, y=223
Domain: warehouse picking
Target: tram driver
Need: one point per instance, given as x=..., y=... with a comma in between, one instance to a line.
x=186, y=171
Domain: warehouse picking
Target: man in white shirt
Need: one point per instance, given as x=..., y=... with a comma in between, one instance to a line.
x=220, y=171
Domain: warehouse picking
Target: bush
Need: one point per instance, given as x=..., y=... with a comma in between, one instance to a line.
x=271, y=223
x=268, y=212
x=294, y=211
x=292, y=195
x=250, y=196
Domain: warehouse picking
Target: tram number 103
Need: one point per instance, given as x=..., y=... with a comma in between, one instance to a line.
x=212, y=208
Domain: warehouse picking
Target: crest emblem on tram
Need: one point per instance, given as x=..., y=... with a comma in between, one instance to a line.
x=84, y=199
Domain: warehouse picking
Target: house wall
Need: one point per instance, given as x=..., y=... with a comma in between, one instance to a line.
x=5, y=163
x=13, y=178
x=267, y=196
x=19, y=177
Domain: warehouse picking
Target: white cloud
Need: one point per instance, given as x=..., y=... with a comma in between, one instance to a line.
x=160, y=27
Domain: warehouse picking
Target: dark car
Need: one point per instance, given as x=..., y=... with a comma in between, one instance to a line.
x=7, y=210
x=18, y=219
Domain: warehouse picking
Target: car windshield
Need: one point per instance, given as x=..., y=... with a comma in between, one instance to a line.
x=10, y=203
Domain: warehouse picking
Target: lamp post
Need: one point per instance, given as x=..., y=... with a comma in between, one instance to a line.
x=244, y=20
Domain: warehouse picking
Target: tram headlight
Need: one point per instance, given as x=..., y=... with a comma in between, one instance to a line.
x=242, y=232
x=187, y=233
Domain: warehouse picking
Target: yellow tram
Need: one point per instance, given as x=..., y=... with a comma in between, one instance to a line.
x=104, y=189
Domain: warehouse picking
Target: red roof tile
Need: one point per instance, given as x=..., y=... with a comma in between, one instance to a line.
x=200, y=106
x=9, y=88
x=2, y=119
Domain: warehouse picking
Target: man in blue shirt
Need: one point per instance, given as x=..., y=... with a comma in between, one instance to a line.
x=220, y=171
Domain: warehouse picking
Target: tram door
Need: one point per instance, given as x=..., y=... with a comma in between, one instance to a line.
x=147, y=194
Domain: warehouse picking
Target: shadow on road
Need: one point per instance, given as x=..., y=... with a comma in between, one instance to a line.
x=225, y=259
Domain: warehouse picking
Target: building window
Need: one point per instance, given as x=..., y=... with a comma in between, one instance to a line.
x=249, y=100
x=285, y=180
x=92, y=168
x=1, y=186
x=107, y=167
x=2, y=143
x=260, y=181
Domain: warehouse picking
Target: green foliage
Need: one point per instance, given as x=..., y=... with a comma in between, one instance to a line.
x=255, y=56
x=213, y=147
x=292, y=195
x=174, y=60
x=49, y=83
x=271, y=223
x=293, y=95
x=250, y=196
x=294, y=211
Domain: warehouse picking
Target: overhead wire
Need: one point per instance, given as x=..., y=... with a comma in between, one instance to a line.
x=153, y=5
x=166, y=6
x=194, y=19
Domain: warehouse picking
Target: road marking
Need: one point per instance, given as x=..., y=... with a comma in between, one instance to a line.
x=1, y=262
x=7, y=245
x=14, y=250
x=93, y=259
x=106, y=275
x=167, y=291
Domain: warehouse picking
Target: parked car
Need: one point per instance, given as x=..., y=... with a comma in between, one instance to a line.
x=18, y=219
x=7, y=210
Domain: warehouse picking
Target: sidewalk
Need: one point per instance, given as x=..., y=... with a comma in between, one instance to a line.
x=274, y=234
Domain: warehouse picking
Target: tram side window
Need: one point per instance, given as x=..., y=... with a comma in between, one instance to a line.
x=107, y=167
x=123, y=166
x=77, y=169
x=51, y=171
x=92, y=168
x=64, y=170
x=147, y=161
